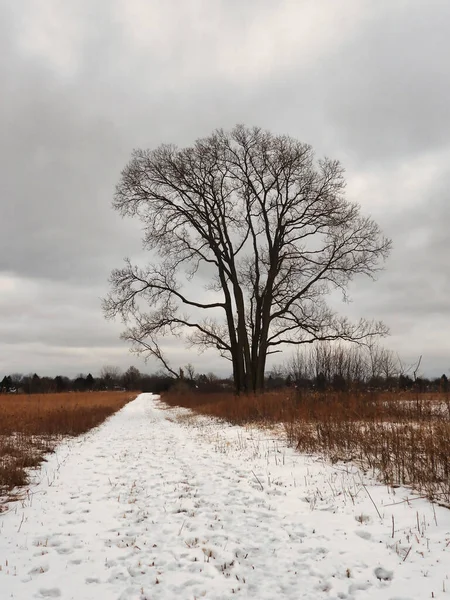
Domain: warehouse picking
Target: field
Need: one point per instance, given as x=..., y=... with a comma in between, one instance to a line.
x=160, y=502
x=30, y=426
x=404, y=439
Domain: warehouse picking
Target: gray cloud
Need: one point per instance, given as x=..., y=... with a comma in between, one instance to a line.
x=390, y=84
x=83, y=83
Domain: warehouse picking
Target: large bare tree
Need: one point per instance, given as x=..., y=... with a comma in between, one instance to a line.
x=268, y=225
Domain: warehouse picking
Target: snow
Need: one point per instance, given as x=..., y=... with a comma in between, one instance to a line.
x=158, y=504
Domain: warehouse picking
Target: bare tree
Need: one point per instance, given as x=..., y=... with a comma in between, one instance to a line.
x=110, y=375
x=190, y=371
x=382, y=362
x=375, y=355
x=357, y=365
x=271, y=227
x=131, y=378
x=416, y=367
x=389, y=364
x=298, y=366
x=328, y=360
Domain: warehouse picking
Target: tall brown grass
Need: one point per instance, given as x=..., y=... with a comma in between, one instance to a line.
x=30, y=426
x=404, y=438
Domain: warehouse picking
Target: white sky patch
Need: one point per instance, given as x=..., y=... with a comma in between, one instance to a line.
x=288, y=34
x=388, y=191
x=51, y=31
x=7, y=283
x=242, y=45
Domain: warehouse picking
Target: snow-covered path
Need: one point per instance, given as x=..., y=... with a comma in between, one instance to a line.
x=155, y=505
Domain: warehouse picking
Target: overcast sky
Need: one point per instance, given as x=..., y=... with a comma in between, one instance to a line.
x=83, y=83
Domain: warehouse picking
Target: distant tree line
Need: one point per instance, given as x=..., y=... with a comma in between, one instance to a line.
x=321, y=367
x=111, y=378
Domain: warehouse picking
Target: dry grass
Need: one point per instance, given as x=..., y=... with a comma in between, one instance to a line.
x=30, y=426
x=405, y=438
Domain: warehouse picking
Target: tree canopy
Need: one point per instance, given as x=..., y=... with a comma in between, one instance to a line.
x=248, y=234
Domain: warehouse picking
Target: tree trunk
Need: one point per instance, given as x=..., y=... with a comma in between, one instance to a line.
x=260, y=370
x=264, y=325
x=237, y=358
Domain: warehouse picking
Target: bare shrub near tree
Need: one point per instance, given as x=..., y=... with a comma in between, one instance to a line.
x=270, y=225
x=368, y=364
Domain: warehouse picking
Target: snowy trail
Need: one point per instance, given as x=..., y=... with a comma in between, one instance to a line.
x=156, y=505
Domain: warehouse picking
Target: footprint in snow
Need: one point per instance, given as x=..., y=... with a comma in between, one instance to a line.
x=358, y=586
x=383, y=574
x=76, y=522
x=39, y=569
x=49, y=593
